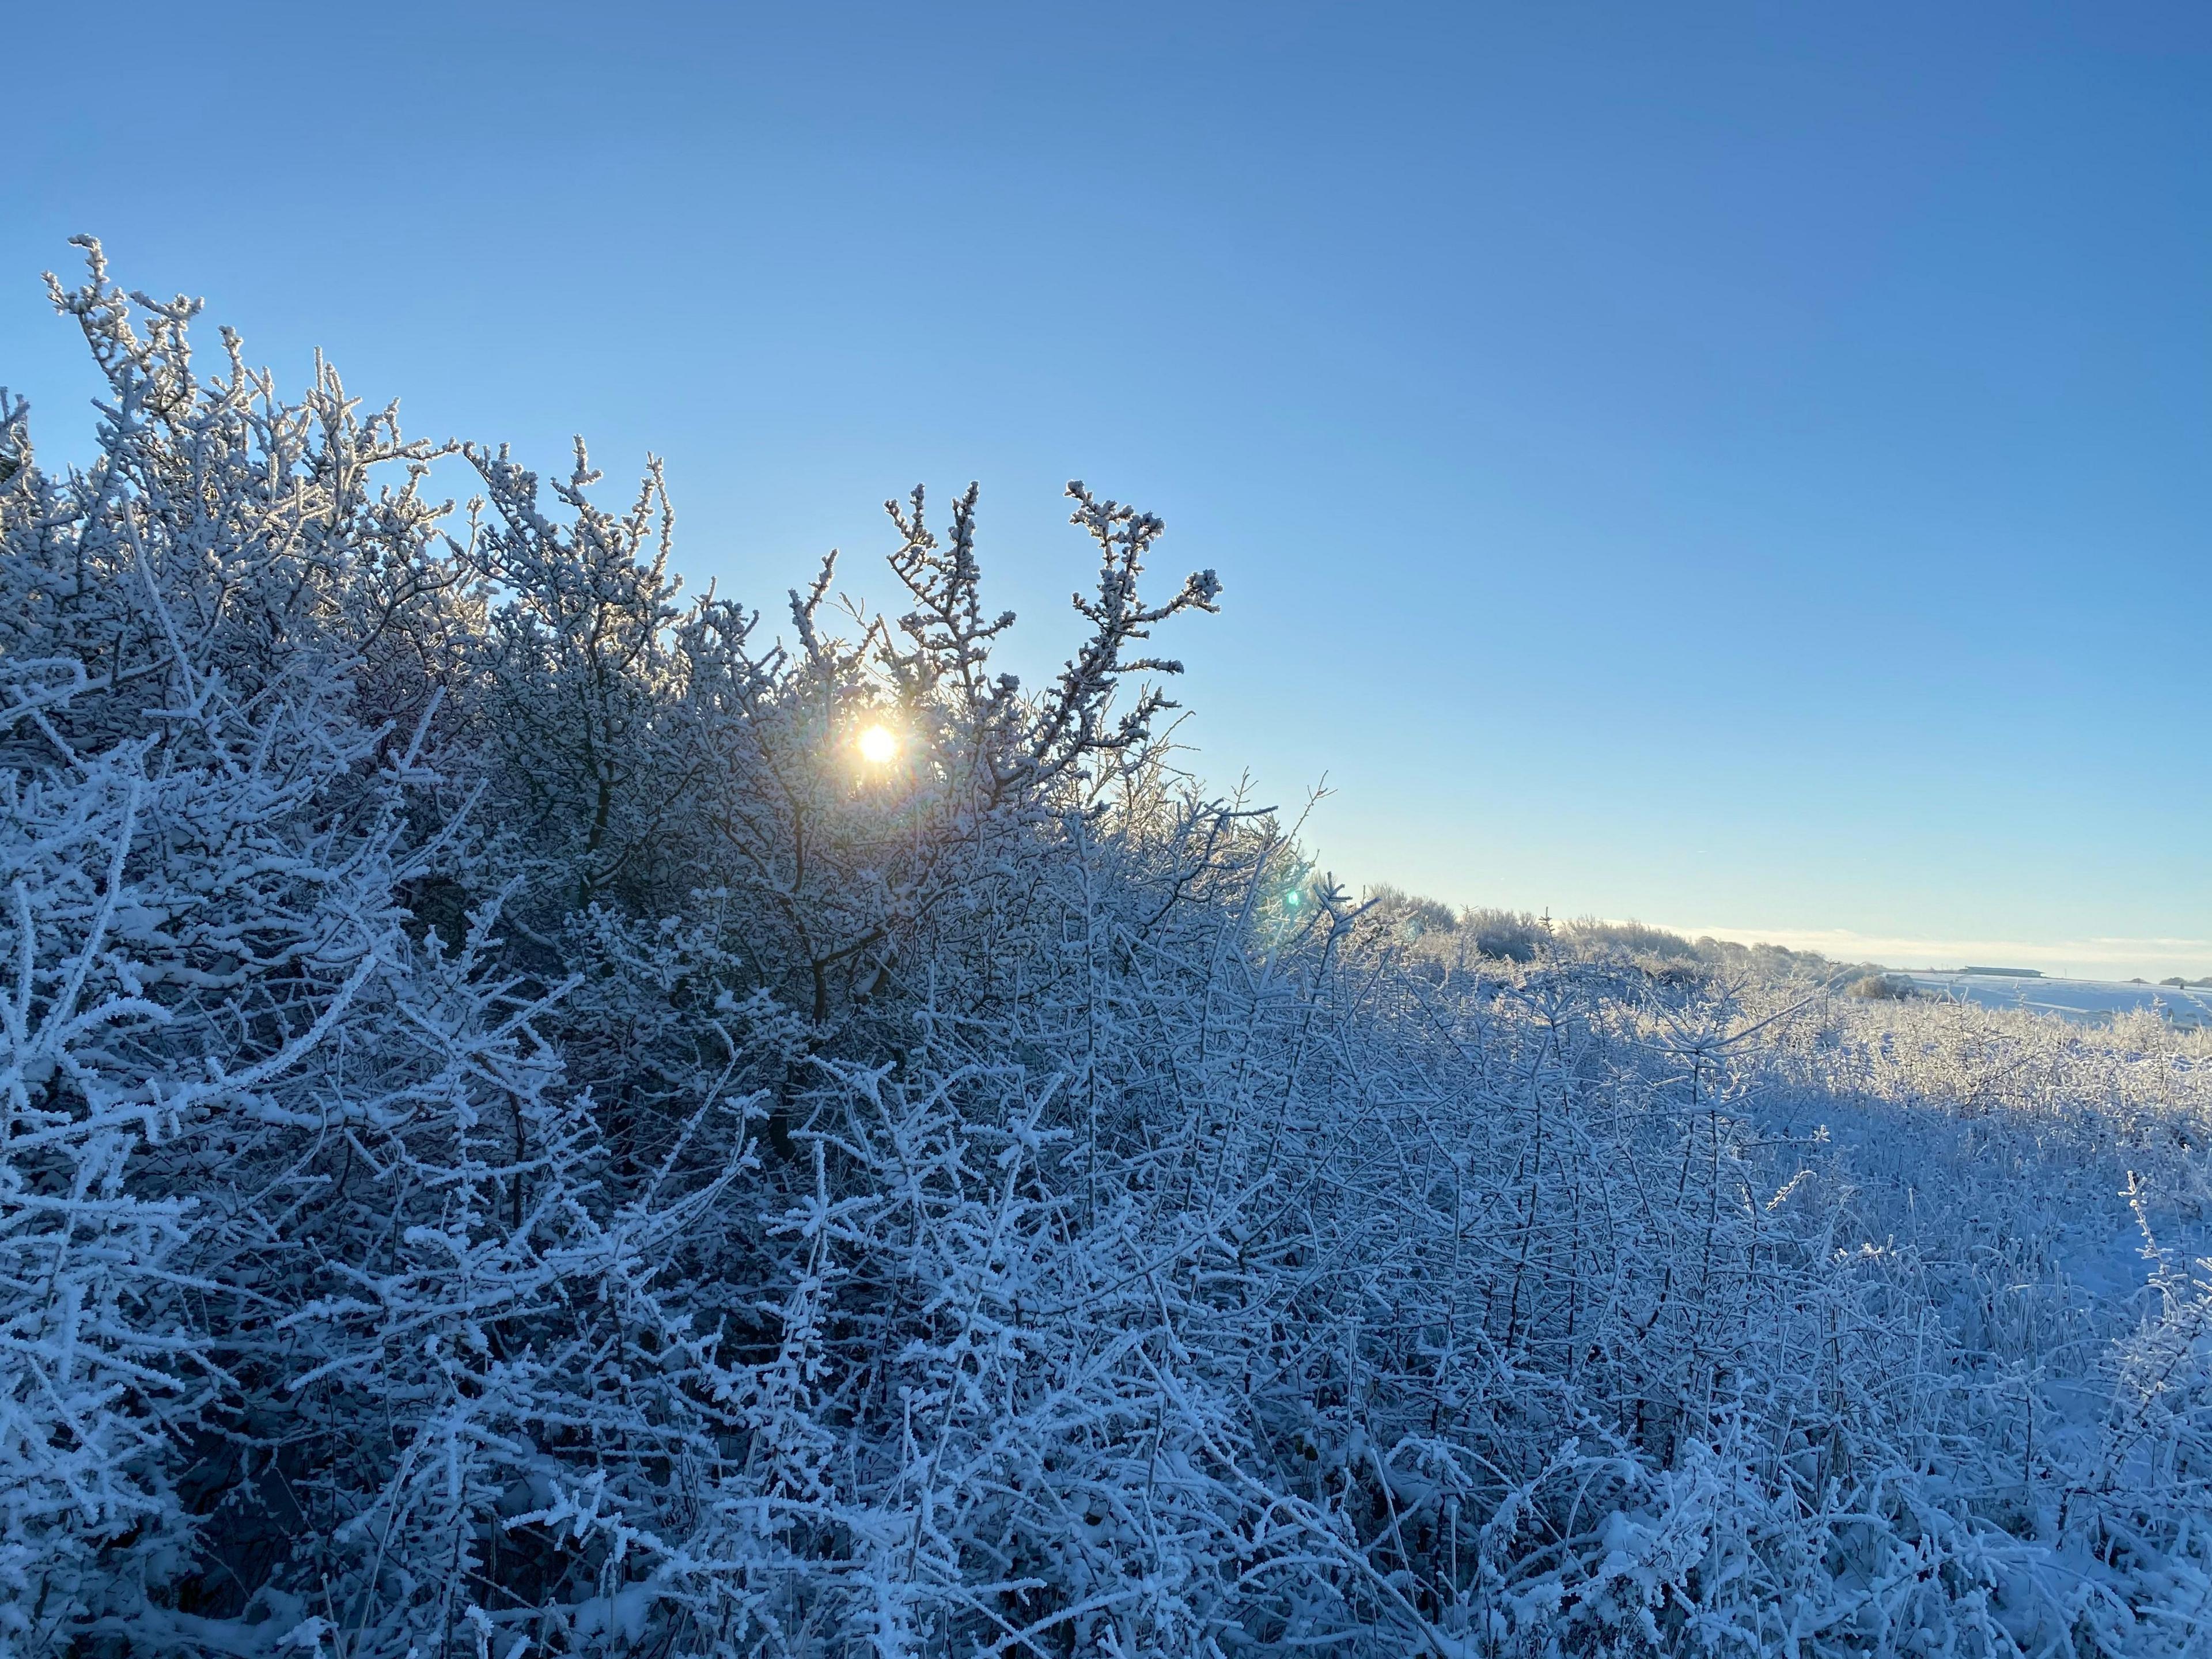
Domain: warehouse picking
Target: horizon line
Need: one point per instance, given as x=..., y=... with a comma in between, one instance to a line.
x=2145, y=957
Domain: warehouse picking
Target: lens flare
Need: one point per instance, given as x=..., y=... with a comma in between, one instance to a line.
x=879, y=744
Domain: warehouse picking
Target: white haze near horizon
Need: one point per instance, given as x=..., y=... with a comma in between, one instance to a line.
x=2109, y=958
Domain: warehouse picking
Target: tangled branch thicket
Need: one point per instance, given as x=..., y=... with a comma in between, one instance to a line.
x=515, y=1143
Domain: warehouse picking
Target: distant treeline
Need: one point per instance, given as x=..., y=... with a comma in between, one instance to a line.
x=1472, y=932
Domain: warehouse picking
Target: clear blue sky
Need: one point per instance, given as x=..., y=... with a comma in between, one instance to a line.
x=1741, y=467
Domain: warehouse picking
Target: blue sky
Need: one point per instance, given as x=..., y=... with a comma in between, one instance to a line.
x=1746, y=468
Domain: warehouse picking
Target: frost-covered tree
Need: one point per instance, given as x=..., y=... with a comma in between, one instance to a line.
x=519, y=1137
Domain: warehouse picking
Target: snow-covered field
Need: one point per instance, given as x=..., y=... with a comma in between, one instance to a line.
x=2070, y=999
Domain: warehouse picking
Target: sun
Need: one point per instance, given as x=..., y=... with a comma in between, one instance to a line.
x=879, y=744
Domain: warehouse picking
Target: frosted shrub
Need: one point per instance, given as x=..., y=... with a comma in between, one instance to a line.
x=521, y=1138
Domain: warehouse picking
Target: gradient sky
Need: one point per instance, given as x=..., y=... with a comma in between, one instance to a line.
x=1741, y=467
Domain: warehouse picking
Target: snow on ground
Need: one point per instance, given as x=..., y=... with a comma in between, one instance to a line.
x=2090, y=999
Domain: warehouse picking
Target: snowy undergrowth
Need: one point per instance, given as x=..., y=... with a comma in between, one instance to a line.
x=518, y=1141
